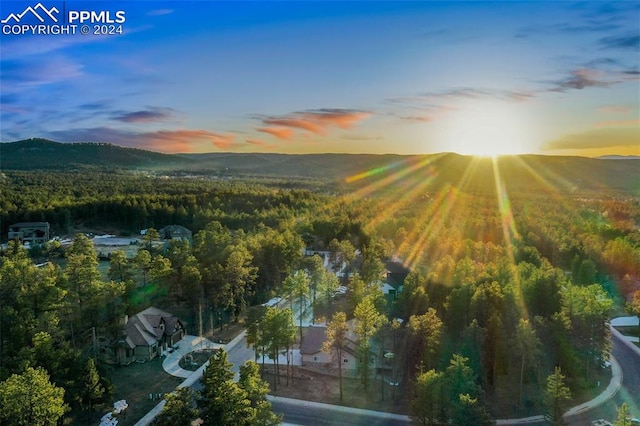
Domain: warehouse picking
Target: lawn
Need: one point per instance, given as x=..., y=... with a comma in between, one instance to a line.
x=135, y=382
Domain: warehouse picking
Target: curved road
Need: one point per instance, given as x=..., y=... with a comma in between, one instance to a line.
x=313, y=413
x=303, y=414
x=629, y=392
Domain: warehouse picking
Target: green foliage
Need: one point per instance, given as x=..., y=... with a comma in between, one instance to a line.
x=297, y=285
x=225, y=402
x=119, y=266
x=179, y=409
x=460, y=379
x=427, y=402
x=426, y=331
x=30, y=399
x=253, y=321
x=248, y=237
x=556, y=398
x=336, y=341
x=93, y=390
x=257, y=390
x=368, y=321
x=527, y=347
x=588, y=308
x=277, y=334
x=469, y=412
x=624, y=416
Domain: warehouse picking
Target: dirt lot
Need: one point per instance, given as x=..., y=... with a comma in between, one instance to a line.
x=313, y=386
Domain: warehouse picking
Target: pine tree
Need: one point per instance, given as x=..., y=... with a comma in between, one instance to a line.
x=30, y=399
x=556, y=398
x=336, y=341
x=179, y=409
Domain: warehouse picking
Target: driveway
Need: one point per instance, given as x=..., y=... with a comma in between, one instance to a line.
x=187, y=345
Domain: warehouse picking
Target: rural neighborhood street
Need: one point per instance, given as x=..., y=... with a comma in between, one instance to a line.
x=297, y=412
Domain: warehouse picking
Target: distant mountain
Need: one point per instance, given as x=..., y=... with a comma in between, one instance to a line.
x=619, y=157
x=33, y=154
x=524, y=173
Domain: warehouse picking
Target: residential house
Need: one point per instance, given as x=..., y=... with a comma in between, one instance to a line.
x=396, y=273
x=314, y=357
x=146, y=335
x=30, y=232
x=175, y=232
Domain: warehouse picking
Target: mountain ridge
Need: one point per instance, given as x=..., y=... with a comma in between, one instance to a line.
x=523, y=172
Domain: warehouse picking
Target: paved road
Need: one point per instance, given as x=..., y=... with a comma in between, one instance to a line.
x=307, y=413
x=629, y=393
x=297, y=414
x=312, y=413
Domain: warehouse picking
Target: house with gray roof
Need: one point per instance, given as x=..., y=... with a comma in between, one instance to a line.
x=175, y=232
x=146, y=335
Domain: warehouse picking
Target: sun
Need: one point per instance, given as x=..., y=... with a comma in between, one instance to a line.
x=488, y=129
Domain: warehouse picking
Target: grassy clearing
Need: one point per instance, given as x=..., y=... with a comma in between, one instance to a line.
x=135, y=382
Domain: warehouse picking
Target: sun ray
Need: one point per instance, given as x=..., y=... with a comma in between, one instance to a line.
x=412, y=166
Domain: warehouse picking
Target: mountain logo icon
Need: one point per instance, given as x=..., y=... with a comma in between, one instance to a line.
x=38, y=11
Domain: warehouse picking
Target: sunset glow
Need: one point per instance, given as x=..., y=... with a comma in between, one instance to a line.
x=474, y=78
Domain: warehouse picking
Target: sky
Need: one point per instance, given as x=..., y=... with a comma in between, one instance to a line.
x=419, y=77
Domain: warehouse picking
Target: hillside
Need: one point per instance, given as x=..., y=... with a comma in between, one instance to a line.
x=43, y=154
x=529, y=173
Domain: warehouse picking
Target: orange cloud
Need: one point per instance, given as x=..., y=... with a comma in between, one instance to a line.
x=336, y=117
x=297, y=123
x=614, y=109
x=279, y=132
x=258, y=142
x=186, y=137
x=316, y=121
x=169, y=141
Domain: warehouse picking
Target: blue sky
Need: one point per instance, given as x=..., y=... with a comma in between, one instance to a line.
x=478, y=77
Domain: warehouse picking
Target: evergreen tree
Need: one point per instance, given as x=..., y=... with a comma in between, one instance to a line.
x=470, y=412
x=257, y=390
x=427, y=401
x=368, y=321
x=556, y=398
x=222, y=401
x=426, y=331
x=30, y=399
x=624, y=416
x=93, y=390
x=336, y=341
x=179, y=409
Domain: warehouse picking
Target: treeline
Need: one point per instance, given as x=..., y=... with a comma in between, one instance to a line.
x=516, y=285
x=131, y=202
x=221, y=401
x=48, y=317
